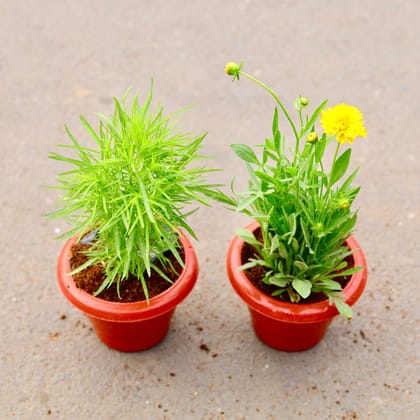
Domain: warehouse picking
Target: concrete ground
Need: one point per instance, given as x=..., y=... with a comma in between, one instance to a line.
x=59, y=59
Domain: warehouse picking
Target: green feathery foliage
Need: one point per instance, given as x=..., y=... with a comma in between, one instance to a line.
x=132, y=189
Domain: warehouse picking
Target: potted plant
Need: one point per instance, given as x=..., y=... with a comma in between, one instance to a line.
x=128, y=261
x=298, y=265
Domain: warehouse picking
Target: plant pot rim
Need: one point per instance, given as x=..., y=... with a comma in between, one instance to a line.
x=291, y=312
x=128, y=311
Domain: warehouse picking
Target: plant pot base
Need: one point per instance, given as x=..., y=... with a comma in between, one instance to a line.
x=286, y=336
x=132, y=337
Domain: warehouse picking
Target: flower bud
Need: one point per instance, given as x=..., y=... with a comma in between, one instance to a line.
x=312, y=137
x=304, y=101
x=232, y=69
x=344, y=203
x=318, y=226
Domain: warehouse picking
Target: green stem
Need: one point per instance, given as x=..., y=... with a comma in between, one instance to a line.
x=271, y=92
x=300, y=120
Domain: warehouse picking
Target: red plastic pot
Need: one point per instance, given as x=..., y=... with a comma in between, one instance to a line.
x=290, y=326
x=130, y=326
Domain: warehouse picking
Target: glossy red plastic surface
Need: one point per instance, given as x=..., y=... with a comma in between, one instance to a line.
x=288, y=326
x=130, y=326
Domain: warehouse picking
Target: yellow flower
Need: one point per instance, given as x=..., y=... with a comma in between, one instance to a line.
x=345, y=121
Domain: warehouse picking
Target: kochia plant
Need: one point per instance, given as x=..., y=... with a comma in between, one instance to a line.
x=303, y=207
x=131, y=191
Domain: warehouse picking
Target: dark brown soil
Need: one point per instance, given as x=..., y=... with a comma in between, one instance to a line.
x=91, y=278
x=256, y=276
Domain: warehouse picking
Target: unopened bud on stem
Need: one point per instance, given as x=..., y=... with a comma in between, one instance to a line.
x=304, y=101
x=312, y=137
x=344, y=203
x=233, y=69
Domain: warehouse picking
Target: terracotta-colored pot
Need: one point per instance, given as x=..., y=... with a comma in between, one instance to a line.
x=290, y=326
x=130, y=326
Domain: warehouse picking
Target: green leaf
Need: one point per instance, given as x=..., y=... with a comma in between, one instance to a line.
x=146, y=201
x=313, y=118
x=275, y=126
x=268, y=145
x=343, y=308
x=248, y=237
x=303, y=287
x=253, y=263
x=274, y=244
x=277, y=138
x=253, y=179
x=305, y=232
x=349, y=180
x=245, y=153
x=300, y=265
x=279, y=280
x=340, y=167
x=247, y=265
x=90, y=130
x=292, y=226
x=295, y=244
x=348, y=272
x=246, y=202
x=327, y=284
x=283, y=250
x=265, y=177
x=320, y=148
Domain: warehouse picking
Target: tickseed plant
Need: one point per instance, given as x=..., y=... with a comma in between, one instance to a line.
x=303, y=207
x=127, y=196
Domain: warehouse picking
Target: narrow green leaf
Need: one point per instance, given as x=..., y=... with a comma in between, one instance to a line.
x=340, y=167
x=282, y=250
x=248, y=237
x=90, y=130
x=327, y=284
x=146, y=201
x=247, y=265
x=292, y=227
x=349, y=180
x=245, y=153
x=253, y=178
x=313, y=118
x=305, y=232
x=275, y=126
x=274, y=244
x=269, y=145
x=246, y=202
x=265, y=177
x=320, y=148
x=348, y=272
x=277, y=138
x=78, y=147
x=343, y=308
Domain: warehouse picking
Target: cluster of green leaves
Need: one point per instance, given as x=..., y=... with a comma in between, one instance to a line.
x=304, y=212
x=133, y=188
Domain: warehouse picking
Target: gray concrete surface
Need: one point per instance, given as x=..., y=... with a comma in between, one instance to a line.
x=59, y=59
